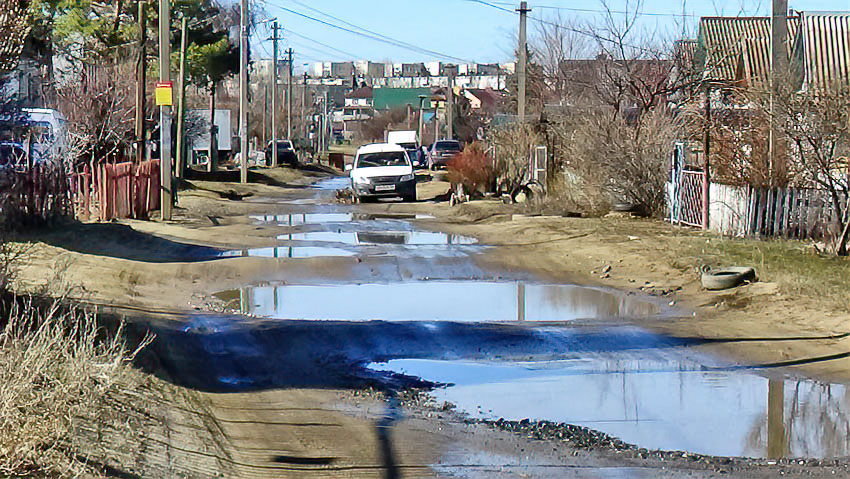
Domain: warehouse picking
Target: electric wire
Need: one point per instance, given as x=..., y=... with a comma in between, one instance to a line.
x=371, y=36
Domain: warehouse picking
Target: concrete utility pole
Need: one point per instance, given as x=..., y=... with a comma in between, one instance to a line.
x=141, y=80
x=243, y=90
x=779, y=74
x=289, y=96
x=275, y=38
x=181, y=103
x=325, y=132
x=450, y=104
x=304, y=108
x=521, y=64
x=706, y=163
x=165, y=110
x=421, y=119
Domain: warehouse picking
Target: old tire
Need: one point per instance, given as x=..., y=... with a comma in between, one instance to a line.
x=729, y=277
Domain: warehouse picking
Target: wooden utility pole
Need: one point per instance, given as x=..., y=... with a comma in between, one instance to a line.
x=165, y=110
x=243, y=90
x=181, y=105
x=521, y=64
x=275, y=38
x=779, y=74
x=289, y=96
x=141, y=80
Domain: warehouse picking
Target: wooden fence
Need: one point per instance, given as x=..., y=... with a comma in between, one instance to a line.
x=788, y=212
x=120, y=190
x=33, y=196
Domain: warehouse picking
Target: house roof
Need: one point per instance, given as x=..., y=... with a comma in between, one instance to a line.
x=723, y=40
x=390, y=98
x=488, y=97
x=825, y=42
x=362, y=92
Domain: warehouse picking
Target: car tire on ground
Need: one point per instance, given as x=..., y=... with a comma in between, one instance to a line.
x=725, y=278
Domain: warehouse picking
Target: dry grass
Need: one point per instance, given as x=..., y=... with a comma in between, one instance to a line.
x=57, y=370
x=796, y=266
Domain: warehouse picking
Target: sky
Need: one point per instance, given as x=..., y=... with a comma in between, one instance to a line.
x=466, y=30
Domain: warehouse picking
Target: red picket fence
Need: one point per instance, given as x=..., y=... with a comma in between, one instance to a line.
x=120, y=190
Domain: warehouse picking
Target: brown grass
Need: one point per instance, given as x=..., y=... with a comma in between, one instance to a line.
x=57, y=370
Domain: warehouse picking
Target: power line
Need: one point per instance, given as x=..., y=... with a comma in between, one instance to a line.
x=372, y=36
x=592, y=10
x=353, y=56
x=400, y=42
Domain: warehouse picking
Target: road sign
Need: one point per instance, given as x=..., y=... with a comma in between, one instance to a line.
x=164, y=93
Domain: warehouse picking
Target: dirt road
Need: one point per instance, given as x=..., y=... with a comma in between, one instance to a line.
x=302, y=420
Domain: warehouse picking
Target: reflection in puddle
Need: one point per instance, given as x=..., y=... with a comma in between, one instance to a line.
x=337, y=183
x=384, y=237
x=463, y=301
x=288, y=252
x=653, y=403
x=297, y=219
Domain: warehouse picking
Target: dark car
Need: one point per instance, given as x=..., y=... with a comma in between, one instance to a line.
x=285, y=153
x=442, y=151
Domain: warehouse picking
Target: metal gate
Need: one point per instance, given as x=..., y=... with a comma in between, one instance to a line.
x=686, y=194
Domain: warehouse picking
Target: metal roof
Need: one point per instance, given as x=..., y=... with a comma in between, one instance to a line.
x=826, y=48
x=390, y=98
x=723, y=41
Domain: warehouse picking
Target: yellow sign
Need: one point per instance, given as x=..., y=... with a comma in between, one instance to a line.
x=164, y=95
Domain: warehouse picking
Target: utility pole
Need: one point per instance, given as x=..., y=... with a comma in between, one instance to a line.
x=421, y=119
x=275, y=38
x=181, y=105
x=521, y=64
x=325, y=123
x=289, y=96
x=778, y=74
x=243, y=90
x=450, y=102
x=265, y=114
x=304, y=107
x=165, y=110
x=706, y=163
x=141, y=80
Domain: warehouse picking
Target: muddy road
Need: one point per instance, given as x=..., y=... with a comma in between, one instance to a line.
x=333, y=340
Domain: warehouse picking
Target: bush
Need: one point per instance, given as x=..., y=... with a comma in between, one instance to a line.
x=473, y=169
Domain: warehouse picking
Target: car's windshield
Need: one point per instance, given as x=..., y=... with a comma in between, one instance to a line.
x=447, y=145
x=384, y=158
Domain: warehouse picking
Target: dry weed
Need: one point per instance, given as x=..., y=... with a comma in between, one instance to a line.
x=57, y=370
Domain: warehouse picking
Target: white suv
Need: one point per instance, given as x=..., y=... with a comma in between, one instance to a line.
x=382, y=170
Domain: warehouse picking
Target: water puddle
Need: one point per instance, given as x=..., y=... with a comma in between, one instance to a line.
x=461, y=301
x=657, y=404
x=297, y=219
x=337, y=183
x=380, y=237
x=288, y=252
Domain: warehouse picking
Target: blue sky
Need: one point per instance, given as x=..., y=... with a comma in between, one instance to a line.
x=465, y=29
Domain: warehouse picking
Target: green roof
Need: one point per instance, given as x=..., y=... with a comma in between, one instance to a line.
x=391, y=98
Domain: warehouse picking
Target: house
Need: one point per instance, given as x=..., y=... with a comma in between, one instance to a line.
x=393, y=98
x=484, y=100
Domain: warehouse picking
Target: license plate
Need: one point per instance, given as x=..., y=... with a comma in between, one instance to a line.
x=384, y=187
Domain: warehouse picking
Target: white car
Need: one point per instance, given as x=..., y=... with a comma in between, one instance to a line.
x=382, y=170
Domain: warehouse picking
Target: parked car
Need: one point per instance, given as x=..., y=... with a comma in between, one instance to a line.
x=285, y=153
x=382, y=170
x=442, y=151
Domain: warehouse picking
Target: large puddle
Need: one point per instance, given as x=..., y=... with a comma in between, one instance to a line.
x=462, y=301
x=654, y=403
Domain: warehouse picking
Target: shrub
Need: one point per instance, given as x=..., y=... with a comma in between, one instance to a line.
x=473, y=169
